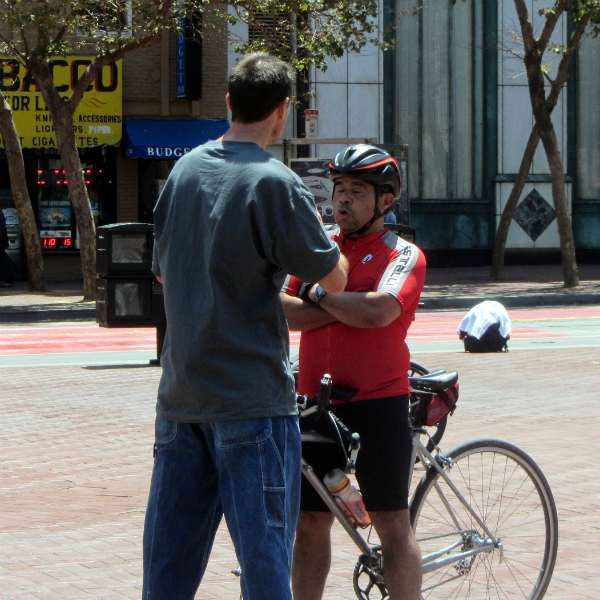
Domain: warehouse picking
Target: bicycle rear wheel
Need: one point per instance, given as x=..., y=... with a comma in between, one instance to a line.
x=509, y=492
x=416, y=369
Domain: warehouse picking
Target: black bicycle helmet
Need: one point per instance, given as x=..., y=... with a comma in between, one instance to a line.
x=368, y=163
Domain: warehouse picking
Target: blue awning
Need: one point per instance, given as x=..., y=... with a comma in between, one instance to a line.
x=167, y=138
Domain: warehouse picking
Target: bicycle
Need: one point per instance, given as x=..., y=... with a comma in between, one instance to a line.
x=490, y=531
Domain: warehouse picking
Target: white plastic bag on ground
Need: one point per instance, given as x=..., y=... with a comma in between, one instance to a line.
x=477, y=321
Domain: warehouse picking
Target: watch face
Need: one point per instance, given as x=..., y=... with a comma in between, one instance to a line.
x=319, y=293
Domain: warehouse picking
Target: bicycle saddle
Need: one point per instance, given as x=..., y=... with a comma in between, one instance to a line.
x=438, y=380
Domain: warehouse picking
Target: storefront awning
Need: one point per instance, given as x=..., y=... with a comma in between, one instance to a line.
x=169, y=139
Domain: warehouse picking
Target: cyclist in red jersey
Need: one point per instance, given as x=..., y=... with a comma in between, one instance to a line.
x=359, y=338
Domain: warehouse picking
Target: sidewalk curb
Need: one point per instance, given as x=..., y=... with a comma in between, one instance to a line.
x=15, y=315
x=528, y=301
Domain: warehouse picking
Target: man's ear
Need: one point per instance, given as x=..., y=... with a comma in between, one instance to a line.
x=282, y=107
x=385, y=201
x=228, y=102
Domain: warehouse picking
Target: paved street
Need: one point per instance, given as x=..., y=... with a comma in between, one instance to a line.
x=77, y=455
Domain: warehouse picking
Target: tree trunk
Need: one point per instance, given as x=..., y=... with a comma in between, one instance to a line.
x=62, y=118
x=79, y=199
x=511, y=205
x=18, y=184
x=565, y=229
x=542, y=111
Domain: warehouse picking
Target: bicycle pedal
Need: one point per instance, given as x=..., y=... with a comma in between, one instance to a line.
x=372, y=562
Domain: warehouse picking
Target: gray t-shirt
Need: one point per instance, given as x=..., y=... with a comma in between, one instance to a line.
x=230, y=222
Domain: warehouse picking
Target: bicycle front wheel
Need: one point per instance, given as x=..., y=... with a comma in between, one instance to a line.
x=510, y=494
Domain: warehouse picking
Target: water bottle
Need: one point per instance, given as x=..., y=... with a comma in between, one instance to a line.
x=347, y=496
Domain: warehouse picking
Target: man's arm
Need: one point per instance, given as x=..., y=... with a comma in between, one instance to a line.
x=335, y=282
x=361, y=309
x=304, y=316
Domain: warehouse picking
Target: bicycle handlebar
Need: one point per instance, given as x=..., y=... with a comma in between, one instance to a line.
x=323, y=402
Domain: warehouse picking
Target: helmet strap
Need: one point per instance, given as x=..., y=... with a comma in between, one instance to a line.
x=377, y=214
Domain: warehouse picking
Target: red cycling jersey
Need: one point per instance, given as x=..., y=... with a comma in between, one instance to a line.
x=374, y=361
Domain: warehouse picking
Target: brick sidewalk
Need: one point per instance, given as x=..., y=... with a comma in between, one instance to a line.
x=77, y=456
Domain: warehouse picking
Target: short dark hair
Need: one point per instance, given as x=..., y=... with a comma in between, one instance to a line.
x=385, y=189
x=257, y=85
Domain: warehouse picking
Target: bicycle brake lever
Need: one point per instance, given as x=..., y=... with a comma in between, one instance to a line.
x=324, y=397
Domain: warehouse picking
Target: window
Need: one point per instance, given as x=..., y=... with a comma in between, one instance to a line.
x=589, y=120
x=271, y=30
x=107, y=17
x=439, y=57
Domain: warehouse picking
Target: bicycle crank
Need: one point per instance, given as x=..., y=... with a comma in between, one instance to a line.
x=368, y=578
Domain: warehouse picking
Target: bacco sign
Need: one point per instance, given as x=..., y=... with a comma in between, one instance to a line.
x=98, y=118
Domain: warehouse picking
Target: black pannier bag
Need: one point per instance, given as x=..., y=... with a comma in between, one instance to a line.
x=491, y=341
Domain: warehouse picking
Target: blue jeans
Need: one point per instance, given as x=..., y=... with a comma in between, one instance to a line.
x=248, y=470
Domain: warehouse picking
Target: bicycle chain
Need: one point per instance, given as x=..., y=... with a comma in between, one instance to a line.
x=441, y=583
x=443, y=535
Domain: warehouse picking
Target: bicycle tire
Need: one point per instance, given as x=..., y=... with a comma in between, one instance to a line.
x=512, y=496
x=416, y=369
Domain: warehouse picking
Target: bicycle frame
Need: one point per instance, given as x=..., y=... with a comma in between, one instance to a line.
x=430, y=562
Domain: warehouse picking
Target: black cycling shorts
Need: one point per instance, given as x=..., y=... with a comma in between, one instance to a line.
x=384, y=459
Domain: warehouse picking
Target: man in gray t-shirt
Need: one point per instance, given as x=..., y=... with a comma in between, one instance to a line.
x=229, y=223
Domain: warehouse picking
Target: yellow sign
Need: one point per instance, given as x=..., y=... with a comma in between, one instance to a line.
x=98, y=119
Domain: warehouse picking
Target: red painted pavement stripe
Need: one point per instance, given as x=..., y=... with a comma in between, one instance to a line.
x=85, y=337
x=71, y=338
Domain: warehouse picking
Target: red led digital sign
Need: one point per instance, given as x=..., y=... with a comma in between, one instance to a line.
x=52, y=243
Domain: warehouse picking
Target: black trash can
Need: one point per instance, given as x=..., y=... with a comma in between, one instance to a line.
x=127, y=293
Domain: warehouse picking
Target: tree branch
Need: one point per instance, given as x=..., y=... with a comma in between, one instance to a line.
x=60, y=35
x=548, y=30
x=12, y=47
x=526, y=27
x=563, y=68
x=548, y=78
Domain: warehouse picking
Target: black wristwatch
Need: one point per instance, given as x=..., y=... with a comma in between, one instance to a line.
x=320, y=293
x=303, y=292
